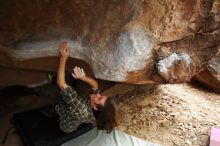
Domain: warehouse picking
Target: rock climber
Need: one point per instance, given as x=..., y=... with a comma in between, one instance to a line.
x=73, y=109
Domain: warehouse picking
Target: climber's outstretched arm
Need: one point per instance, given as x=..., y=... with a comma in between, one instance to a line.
x=64, y=54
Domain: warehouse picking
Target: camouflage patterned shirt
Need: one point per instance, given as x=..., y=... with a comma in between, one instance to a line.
x=73, y=110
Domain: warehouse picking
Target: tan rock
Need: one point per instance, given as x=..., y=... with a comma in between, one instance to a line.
x=140, y=42
x=211, y=75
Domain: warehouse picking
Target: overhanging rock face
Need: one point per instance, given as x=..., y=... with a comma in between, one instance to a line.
x=131, y=41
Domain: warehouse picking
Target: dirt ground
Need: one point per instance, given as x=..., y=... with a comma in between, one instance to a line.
x=170, y=115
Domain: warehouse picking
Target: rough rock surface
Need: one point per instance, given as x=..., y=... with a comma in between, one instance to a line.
x=211, y=75
x=166, y=41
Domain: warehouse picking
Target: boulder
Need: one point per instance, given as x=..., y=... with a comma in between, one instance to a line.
x=211, y=75
x=133, y=41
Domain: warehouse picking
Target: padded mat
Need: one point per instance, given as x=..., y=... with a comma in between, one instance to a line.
x=40, y=127
x=96, y=137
